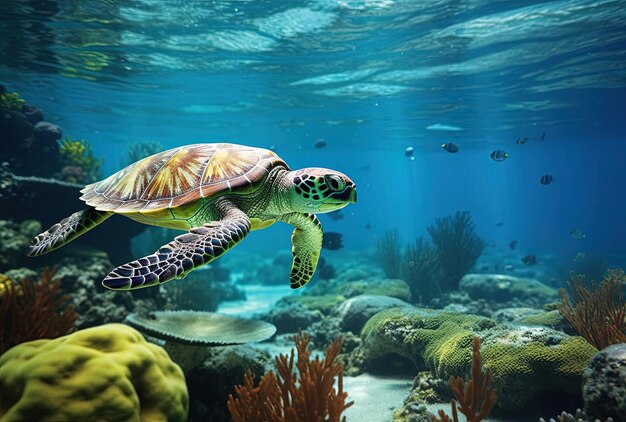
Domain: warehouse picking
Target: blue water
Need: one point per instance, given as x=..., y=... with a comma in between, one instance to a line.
x=371, y=78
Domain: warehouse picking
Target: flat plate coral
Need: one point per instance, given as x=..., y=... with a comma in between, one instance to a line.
x=191, y=327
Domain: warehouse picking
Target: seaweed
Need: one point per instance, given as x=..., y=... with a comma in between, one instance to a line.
x=32, y=310
x=598, y=313
x=308, y=397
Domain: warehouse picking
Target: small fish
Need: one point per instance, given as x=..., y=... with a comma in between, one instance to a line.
x=451, y=147
x=522, y=140
x=499, y=155
x=332, y=241
x=508, y=268
x=579, y=256
x=546, y=179
x=335, y=215
x=513, y=245
x=543, y=136
x=529, y=260
x=408, y=152
x=499, y=224
x=578, y=234
x=320, y=143
x=368, y=226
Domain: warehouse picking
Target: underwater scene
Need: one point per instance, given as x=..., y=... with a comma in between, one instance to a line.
x=312, y=210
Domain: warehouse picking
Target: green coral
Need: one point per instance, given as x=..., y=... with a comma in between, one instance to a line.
x=77, y=154
x=11, y=101
x=525, y=361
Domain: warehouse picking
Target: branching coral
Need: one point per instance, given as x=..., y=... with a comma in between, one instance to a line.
x=34, y=310
x=475, y=401
x=597, y=313
x=457, y=245
x=308, y=397
x=421, y=270
x=77, y=155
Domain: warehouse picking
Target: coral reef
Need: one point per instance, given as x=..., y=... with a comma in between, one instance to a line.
x=475, y=401
x=213, y=380
x=10, y=100
x=604, y=385
x=103, y=373
x=504, y=288
x=309, y=396
x=525, y=361
x=14, y=239
x=32, y=310
x=201, y=328
x=79, y=163
x=598, y=313
x=355, y=312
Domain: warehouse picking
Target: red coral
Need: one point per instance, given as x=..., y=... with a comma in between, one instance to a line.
x=478, y=399
x=32, y=310
x=287, y=398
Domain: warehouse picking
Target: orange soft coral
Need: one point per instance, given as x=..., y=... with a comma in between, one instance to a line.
x=311, y=397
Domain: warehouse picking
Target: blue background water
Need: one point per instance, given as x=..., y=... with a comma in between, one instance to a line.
x=369, y=77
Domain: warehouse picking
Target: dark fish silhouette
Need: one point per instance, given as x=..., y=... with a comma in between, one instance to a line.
x=499, y=224
x=543, y=136
x=529, y=260
x=546, y=179
x=578, y=234
x=513, y=245
x=335, y=215
x=368, y=226
x=522, y=140
x=332, y=241
x=499, y=155
x=451, y=147
x=320, y=143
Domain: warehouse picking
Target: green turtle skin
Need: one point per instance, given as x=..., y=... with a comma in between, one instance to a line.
x=217, y=193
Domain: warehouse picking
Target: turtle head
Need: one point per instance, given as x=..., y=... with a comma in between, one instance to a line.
x=320, y=190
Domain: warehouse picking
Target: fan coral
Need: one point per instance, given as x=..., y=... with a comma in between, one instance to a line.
x=311, y=398
x=478, y=399
x=598, y=313
x=33, y=310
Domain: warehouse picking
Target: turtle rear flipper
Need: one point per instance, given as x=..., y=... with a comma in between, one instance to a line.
x=182, y=255
x=306, y=243
x=66, y=230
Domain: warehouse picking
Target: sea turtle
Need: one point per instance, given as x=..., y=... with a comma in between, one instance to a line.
x=215, y=192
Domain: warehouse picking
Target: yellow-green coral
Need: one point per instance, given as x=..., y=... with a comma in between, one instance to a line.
x=78, y=154
x=11, y=101
x=525, y=360
x=106, y=373
x=322, y=303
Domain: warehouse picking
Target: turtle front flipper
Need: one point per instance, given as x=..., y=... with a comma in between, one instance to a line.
x=307, y=243
x=66, y=230
x=185, y=253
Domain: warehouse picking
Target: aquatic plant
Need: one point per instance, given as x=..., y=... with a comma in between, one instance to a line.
x=32, y=310
x=458, y=247
x=139, y=150
x=598, y=313
x=477, y=399
x=77, y=155
x=11, y=100
x=421, y=270
x=309, y=396
x=390, y=254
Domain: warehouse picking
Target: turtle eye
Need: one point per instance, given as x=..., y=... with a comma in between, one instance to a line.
x=336, y=183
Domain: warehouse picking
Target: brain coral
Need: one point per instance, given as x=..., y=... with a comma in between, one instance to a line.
x=106, y=373
x=525, y=361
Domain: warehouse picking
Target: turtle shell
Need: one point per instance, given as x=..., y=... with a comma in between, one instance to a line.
x=179, y=176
